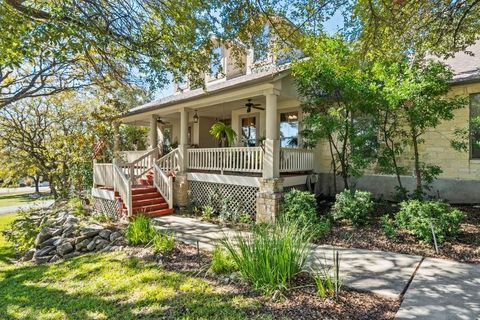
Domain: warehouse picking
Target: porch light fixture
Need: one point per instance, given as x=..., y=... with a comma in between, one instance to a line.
x=195, y=117
x=292, y=117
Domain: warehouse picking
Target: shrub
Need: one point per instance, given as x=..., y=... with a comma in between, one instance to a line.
x=23, y=231
x=417, y=216
x=322, y=226
x=208, y=212
x=245, y=218
x=140, y=230
x=271, y=255
x=77, y=206
x=388, y=226
x=222, y=261
x=299, y=206
x=163, y=243
x=353, y=205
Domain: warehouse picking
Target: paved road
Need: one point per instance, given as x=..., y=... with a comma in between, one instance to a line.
x=39, y=204
x=23, y=190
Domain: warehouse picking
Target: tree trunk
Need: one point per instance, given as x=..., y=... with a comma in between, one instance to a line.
x=36, y=181
x=418, y=170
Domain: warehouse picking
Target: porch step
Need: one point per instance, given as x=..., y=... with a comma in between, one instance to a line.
x=150, y=201
x=158, y=213
x=151, y=207
x=144, y=196
x=143, y=189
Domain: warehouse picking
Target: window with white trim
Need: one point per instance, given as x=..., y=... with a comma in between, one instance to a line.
x=289, y=129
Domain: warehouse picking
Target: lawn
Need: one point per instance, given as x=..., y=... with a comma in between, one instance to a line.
x=11, y=199
x=110, y=286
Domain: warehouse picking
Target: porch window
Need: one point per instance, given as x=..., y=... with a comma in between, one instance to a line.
x=475, y=126
x=289, y=129
x=249, y=131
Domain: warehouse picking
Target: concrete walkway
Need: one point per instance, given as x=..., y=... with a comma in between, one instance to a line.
x=440, y=289
x=36, y=204
x=380, y=272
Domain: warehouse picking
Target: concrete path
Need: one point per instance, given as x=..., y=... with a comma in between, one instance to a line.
x=37, y=204
x=24, y=190
x=442, y=290
x=384, y=273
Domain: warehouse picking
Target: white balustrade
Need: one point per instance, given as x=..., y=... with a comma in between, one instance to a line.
x=169, y=162
x=295, y=160
x=236, y=159
x=164, y=184
x=123, y=186
x=103, y=174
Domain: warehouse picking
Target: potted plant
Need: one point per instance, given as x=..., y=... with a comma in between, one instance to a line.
x=224, y=133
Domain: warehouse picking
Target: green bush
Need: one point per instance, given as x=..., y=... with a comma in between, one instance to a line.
x=23, y=231
x=417, y=216
x=388, y=226
x=163, y=243
x=77, y=206
x=300, y=207
x=271, y=255
x=208, y=212
x=222, y=261
x=353, y=205
x=140, y=230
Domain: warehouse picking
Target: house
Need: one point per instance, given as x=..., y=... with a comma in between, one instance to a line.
x=258, y=99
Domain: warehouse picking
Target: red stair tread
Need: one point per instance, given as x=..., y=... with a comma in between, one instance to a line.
x=149, y=208
x=145, y=196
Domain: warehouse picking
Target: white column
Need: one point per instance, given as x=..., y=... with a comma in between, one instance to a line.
x=116, y=139
x=271, y=159
x=153, y=134
x=183, y=146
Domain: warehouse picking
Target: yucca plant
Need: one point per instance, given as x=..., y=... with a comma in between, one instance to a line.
x=223, y=132
x=140, y=230
x=271, y=256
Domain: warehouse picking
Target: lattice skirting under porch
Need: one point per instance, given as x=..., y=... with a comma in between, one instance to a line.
x=243, y=198
x=105, y=207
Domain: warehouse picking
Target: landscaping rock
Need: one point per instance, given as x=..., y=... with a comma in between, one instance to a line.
x=115, y=235
x=91, y=230
x=48, y=242
x=71, y=255
x=64, y=248
x=101, y=244
x=28, y=255
x=82, y=245
x=43, y=259
x=55, y=258
x=43, y=252
x=92, y=244
x=43, y=235
x=70, y=220
x=105, y=234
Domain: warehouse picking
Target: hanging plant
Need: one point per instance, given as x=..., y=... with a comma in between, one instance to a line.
x=224, y=133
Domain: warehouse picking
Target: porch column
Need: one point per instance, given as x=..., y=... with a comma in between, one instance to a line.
x=153, y=134
x=180, y=185
x=270, y=191
x=271, y=158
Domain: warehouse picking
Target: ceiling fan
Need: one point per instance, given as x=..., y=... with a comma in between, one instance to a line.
x=251, y=105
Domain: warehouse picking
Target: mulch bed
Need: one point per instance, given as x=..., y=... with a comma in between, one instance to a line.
x=299, y=303
x=465, y=248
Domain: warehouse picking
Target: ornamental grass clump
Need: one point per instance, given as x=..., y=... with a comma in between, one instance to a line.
x=271, y=256
x=140, y=231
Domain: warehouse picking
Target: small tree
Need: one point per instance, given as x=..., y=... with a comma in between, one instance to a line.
x=334, y=86
x=414, y=101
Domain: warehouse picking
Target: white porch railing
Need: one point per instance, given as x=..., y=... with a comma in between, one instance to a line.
x=130, y=156
x=169, y=162
x=164, y=184
x=138, y=167
x=103, y=174
x=295, y=160
x=123, y=186
x=237, y=159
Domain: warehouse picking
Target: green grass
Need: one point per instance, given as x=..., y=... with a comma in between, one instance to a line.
x=6, y=250
x=111, y=286
x=11, y=199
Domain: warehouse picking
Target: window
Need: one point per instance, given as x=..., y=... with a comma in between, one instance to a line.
x=216, y=62
x=249, y=131
x=475, y=126
x=289, y=129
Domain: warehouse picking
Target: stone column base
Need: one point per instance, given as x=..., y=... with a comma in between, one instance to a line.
x=269, y=197
x=180, y=190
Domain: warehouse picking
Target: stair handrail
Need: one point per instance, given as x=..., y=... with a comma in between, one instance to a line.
x=164, y=184
x=138, y=167
x=170, y=161
x=123, y=185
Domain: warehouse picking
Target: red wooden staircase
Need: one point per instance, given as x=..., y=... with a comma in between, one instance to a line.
x=146, y=199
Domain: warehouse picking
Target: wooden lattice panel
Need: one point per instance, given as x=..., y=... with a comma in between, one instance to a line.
x=212, y=194
x=106, y=207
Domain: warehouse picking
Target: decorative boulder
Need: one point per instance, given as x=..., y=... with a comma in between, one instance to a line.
x=64, y=248
x=91, y=230
x=105, y=234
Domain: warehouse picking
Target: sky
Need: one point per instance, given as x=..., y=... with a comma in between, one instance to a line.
x=334, y=24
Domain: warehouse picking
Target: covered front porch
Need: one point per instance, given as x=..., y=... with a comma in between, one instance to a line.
x=267, y=147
